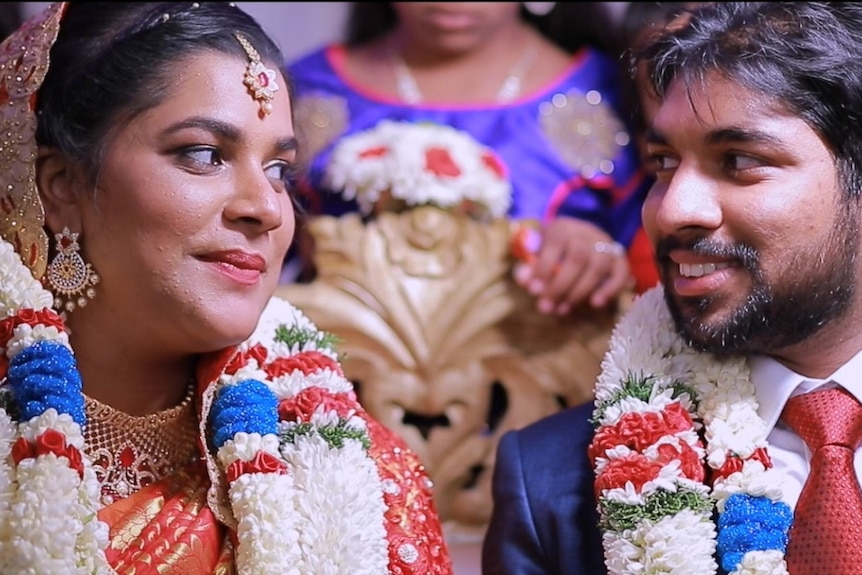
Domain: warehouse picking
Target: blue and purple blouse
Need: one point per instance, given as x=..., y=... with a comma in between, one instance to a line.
x=567, y=146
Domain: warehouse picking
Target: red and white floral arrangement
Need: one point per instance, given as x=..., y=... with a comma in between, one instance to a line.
x=404, y=164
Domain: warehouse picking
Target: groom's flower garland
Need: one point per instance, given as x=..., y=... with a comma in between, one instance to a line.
x=679, y=443
x=286, y=425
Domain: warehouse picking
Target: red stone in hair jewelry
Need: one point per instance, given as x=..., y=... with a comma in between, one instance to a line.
x=261, y=81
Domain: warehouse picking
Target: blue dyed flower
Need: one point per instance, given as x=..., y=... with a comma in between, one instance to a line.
x=751, y=524
x=247, y=406
x=45, y=375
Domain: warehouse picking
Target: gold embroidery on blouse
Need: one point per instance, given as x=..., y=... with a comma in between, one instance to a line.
x=319, y=120
x=584, y=130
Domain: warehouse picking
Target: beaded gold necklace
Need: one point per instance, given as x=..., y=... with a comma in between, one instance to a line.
x=130, y=452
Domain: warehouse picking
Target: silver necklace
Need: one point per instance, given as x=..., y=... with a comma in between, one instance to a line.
x=409, y=92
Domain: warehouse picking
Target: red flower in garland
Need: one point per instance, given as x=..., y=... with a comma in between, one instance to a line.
x=256, y=352
x=734, y=463
x=45, y=317
x=634, y=467
x=638, y=468
x=263, y=462
x=637, y=431
x=302, y=406
x=51, y=441
x=375, y=152
x=307, y=362
x=690, y=462
x=493, y=163
x=439, y=162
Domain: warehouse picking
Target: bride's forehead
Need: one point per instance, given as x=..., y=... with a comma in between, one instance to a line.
x=211, y=79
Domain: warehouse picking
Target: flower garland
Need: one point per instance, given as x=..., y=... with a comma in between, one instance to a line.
x=287, y=421
x=419, y=163
x=679, y=442
x=284, y=420
x=41, y=421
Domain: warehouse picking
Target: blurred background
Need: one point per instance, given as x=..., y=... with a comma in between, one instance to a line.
x=297, y=26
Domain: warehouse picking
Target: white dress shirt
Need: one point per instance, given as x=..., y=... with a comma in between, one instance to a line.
x=774, y=384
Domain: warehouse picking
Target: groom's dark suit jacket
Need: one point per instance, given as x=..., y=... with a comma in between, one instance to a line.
x=544, y=519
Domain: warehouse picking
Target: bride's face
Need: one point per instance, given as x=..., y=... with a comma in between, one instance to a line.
x=192, y=214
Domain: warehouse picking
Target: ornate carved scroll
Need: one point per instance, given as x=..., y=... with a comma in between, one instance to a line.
x=443, y=346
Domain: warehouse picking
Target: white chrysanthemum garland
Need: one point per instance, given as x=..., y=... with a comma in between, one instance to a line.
x=678, y=441
x=287, y=427
x=419, y=163
x=49, y=494
x=331, y=521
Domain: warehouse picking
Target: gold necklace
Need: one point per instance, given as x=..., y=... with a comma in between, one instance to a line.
x=130, y=452
x=409, y=92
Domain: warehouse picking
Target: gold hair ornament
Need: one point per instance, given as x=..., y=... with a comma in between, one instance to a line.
x=260, y=80
x=23, y=65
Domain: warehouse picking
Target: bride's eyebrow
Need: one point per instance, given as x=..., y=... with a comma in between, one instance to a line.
x=226, y=131
x=211, y=125
x=289, y=144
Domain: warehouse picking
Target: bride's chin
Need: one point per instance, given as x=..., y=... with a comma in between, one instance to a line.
x=234, y=327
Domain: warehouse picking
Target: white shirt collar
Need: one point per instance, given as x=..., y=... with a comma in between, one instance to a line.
x=849, y=376
x=774, y=383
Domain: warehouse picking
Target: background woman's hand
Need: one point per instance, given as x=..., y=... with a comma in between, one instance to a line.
x=576, y=262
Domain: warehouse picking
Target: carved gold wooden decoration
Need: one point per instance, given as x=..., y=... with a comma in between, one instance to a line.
x=443, y=346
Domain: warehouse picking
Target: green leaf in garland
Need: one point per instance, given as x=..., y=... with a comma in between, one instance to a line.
x=617, y=516
x=297, y=336
x=334, y=435
x=642, y=387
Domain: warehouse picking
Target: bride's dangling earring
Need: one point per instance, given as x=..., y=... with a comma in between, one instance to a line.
x=69, y=277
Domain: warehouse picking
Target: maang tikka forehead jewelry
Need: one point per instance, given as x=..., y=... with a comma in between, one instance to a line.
x=261, y=81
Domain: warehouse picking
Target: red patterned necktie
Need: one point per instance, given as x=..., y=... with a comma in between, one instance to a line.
x=826, y=536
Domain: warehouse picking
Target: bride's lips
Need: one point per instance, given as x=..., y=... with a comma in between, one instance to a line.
x=241, y=266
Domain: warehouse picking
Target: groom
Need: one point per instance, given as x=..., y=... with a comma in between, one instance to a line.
x=702, y=452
